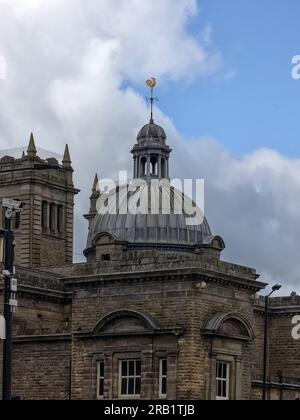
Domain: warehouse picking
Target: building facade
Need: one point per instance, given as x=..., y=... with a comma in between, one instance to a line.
x=154, y=313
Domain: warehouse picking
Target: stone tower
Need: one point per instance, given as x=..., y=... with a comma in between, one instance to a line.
x=44, y=229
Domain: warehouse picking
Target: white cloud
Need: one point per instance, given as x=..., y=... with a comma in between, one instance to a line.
x=254, y=203
x=68, y=64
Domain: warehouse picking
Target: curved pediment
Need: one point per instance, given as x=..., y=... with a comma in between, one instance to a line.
x=232, y=325
x=126, y=321
x=104, y=239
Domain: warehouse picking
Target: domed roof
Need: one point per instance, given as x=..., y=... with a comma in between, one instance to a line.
x=164, y=228
x=152, y=130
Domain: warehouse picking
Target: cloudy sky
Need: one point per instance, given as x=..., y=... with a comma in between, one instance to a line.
x=75, y=73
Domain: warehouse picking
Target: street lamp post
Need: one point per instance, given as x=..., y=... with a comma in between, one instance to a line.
x=8, y=315
x=10, y=289
x=275, y=288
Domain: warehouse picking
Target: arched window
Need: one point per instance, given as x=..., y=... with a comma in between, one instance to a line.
x=137, y=167
x=143, y=166
x=44, y=216
x=153, y=165
x=60, y=218
x=163, y=168
x=52, y=217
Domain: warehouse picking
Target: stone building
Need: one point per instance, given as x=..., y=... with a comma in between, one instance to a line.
x=153, y=313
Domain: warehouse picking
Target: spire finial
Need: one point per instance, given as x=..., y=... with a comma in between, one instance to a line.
x=95, y=188
x=151, y=83
x=31, y=151
x=67, y=158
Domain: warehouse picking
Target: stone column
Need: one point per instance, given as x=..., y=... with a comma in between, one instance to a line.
x=148, y=166
x=109, y=376
x=159, y=167
x=140, y=167
x=136, y=167
x=213, y=370
x=238, y=379
x=168, y=169
x=172, y=376
x=147, y=379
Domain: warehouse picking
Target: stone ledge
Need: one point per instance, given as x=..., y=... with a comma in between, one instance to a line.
x=42, y=338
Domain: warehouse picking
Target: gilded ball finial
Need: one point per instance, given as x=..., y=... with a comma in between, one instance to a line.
x=151, y=83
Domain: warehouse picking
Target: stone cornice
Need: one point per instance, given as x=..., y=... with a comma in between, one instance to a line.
x=279, y=311
x=47, y=295
x=177, y=331
x=38, y=271
x=277, y=385
x=63, y=186
x=191, y=273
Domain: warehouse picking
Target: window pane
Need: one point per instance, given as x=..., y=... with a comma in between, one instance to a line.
x=164, y=386
x=219, y=370
x=138, y=387
x=219, y=390
x=224, y=371
x=223, y=387
x=164, y=367
x=131, y=368
x=138, y=368
x=124, y=368
x=131, y=386
x=101, y=387
x=124, y=387
x=102, y=369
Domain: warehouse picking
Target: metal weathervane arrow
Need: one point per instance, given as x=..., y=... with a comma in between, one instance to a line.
x=152, y=83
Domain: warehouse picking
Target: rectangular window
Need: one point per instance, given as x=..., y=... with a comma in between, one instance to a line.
x=60, y=215
x=223, y=381
x=17, y=220
x=52, y=223
x=130, y=378
x=100, y=381
x=163, y=377
x=44, y=216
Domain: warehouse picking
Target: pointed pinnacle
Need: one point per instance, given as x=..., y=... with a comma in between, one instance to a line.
x=67, y=158
x=31, y=151
x=96, y=186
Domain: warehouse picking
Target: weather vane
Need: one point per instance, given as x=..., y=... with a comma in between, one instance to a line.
x=151, y=83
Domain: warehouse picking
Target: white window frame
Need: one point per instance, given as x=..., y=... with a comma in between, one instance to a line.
x=161, y=377
x=100, y=378
x=135, y=377
x=226, y=380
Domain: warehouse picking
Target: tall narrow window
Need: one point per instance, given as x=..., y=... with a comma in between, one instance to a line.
x=130, y=378
x=163, y=168
x=60, y=216
x=153, y=162
x=17, y=220
x=44, y=215
x=223, y=381
x=52, y=217
x=144, y=166
x=163, y=377
x=100, y=380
